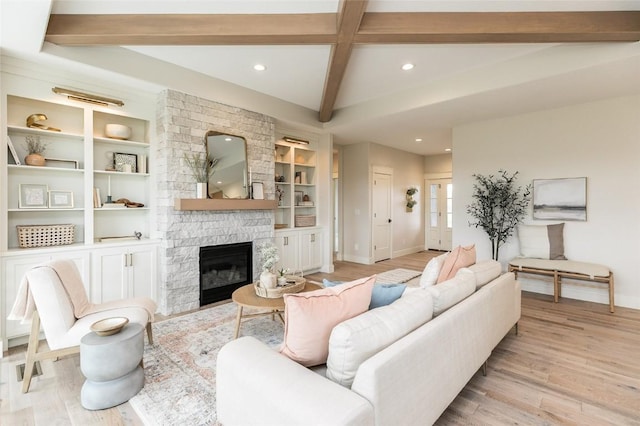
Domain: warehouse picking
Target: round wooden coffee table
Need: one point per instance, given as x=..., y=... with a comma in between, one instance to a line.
x=246, y=296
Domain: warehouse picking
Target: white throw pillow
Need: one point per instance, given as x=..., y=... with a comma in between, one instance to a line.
x=432, y=270
x=448, y=293
x=357, y=339
x=542, y=241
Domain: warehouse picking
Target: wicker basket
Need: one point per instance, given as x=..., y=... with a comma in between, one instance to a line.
x=274, y=293
x=45, y=235
x=305, y=220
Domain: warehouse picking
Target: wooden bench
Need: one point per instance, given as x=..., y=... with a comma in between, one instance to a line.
x=559, y=269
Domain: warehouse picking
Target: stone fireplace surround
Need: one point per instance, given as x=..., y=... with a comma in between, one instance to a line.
x=182, y=121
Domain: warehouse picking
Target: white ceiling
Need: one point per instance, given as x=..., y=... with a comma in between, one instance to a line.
x=450, y=84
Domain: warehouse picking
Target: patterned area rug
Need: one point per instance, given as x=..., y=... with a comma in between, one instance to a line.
x=180, y=368
x=395, y=276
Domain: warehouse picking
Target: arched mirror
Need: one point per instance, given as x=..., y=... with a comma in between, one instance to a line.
x=229, y=179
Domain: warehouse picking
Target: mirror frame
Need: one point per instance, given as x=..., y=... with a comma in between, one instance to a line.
x=245, y=181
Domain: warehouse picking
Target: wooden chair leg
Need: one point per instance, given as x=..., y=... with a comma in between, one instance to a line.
x=149, y=333
x=32, y=349
x=612, y=307
x=484, y=368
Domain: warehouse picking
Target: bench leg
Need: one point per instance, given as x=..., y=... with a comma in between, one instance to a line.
x=612, y=307
x=556, y=286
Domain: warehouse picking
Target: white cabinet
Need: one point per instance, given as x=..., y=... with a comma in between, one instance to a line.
x=14, y=268
x=300, y=250
x=122, y=272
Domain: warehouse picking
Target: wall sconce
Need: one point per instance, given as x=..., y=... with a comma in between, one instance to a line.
x=87, y=97
x=295, y=140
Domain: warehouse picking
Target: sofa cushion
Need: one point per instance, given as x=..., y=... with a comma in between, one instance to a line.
x=382, y=294
x=452, y=291
x=309, y=318
x=431, y=271
x=542, y=241
x=354, y=341
x=486, y=271
x=460, y=257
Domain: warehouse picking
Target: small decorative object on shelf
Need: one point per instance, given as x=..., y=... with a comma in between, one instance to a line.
x=410, y=201
x=202, y=167
x=109, y=326
x=117, y=131
x=45, y=235
x=33, y=121
x=282, y=279
x=35, y=148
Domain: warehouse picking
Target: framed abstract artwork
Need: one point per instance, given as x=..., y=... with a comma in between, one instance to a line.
x=560, y=199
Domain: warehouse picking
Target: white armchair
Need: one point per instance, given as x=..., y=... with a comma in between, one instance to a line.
x=53, y=295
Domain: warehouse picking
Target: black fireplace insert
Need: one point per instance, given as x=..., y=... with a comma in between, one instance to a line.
x=223, y=269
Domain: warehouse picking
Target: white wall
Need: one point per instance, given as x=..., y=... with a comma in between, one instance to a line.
x=437, y=163
x=356, y=196
x=599, y=140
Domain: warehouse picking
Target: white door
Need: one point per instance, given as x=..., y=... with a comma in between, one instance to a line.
x=381, y=216
x=439, y=214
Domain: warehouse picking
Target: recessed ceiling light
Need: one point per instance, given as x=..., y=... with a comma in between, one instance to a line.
x=407, y=67
x=227, y=139
x=259, y=67
x=418, y=139
x=448, y=149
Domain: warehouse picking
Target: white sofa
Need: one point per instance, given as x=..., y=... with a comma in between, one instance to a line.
x=409, y=382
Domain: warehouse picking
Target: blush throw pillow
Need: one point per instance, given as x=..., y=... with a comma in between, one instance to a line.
x=309, y=318
x=542, y=241
x=460, y=257
x=430, y=274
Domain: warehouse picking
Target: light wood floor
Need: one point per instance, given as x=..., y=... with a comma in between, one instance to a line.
x=573, y=363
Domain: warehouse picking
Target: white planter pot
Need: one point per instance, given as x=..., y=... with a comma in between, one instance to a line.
x=268, y=279
x=201, y=190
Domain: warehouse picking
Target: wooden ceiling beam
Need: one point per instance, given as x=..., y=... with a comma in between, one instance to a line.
x=184, y=29
x=348, y=20
x=498, y=27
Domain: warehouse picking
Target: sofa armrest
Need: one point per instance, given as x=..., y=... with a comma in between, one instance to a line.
x=258, y=386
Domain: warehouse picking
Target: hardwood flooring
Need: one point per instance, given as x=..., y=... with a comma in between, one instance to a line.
x=573, y=363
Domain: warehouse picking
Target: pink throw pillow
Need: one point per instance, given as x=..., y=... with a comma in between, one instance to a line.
x=460, y=257
x=309, y=318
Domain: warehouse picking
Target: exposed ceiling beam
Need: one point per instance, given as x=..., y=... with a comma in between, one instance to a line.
x=348, y=19
x=350, y=26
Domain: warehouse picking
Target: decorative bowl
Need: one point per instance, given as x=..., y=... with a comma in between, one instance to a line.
x=117, y=131
x=109, y=326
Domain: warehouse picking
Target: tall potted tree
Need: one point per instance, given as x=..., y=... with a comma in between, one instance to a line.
x=498, y=206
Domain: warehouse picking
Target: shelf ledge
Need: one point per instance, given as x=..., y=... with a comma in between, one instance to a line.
x=184, y=204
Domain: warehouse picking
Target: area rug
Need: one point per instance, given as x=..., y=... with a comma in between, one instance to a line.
x=180, y=368
x=395, y=276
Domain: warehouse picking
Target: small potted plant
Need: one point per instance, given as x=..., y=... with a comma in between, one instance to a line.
x=35, y=149
x=269, y=258
x=410, y=201
x=202, y=168
x=282, y=279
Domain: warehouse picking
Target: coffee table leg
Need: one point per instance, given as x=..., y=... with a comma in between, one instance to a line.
x=238, y=319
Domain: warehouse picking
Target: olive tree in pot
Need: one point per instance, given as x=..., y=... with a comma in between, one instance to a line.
x=498, y=206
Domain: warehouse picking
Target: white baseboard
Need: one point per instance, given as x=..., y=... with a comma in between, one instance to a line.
x=407, y=251
x=357, y=259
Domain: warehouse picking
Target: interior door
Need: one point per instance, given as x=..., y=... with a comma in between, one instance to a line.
x=439, y=214
x=381, y=216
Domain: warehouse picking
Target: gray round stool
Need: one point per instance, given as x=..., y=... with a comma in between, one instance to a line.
x=111, y=365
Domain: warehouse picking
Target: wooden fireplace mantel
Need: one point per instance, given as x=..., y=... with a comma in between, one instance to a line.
x=223, y=204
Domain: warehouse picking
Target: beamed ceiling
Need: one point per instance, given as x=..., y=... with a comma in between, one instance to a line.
x=335, y=65
x=351, y=25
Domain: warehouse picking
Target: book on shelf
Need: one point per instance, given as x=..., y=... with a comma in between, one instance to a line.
x=142, y=163
x=124, y=238
x=12, y=151
x=114, y=206
x=97, y=203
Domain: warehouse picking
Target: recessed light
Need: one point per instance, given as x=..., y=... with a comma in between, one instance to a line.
x=259, y=67
x=418, y=139
x=448, y=149
x=407, y=67
x=227, y=139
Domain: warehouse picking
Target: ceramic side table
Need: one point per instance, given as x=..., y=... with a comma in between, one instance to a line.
x=112, y=367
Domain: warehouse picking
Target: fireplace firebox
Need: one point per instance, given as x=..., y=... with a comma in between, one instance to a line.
x=223, y=269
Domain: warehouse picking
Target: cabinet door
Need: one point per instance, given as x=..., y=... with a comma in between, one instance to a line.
x=310, y=250
x=143, y=272
x=288, y=250
x=109, y=275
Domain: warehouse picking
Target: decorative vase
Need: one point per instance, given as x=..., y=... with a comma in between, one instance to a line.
x=201, y=190
x=34, y=160
x=268, y=279
x=282, y=281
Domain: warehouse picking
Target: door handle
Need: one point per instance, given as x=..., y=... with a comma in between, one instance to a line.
x=389, y=220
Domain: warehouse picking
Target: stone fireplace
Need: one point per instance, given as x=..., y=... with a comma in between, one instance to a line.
x=182, y=121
